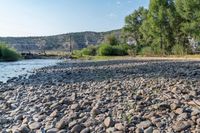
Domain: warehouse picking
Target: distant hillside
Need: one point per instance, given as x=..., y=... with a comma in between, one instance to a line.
x=57, y=42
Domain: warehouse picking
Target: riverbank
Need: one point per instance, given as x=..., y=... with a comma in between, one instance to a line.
x=170, y=57
x=105, y=96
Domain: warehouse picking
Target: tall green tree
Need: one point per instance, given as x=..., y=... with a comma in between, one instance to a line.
x=158, y=27
x=132, y=24
x=189, y=10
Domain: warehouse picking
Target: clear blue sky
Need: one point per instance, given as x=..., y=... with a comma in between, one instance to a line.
x=49, y=17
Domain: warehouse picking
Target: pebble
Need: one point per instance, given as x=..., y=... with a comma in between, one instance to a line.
x=148, y=130
x=86, y=130
x=53, y=130
x=179, y=111
x=75, y=106
x=62, y=124
x=144, y=124
x=35, y=125
x=119, y=126
x=108, y=122
x=181, y=125
x=24, y=129
x=77, y=128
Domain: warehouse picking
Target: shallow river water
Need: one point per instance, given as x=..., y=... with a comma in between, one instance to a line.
x=13, y=69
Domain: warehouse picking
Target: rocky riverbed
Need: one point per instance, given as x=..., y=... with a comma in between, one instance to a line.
x=121, y=96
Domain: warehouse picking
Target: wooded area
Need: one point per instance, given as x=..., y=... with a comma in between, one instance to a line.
x=166, y=27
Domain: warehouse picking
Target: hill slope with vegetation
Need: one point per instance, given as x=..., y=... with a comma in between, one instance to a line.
x=57, y=42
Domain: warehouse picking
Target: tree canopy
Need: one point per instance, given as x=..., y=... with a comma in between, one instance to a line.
x=165, y=25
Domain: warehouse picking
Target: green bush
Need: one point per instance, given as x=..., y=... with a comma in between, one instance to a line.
x=105, y=50
x=8, y=54
x=132, y=52
x=112, y=40
x=90, y=50
x=120, y=50
x=117, y=50
x=178, y=50
x=147, y=51
x=156, y=49
x=77, y=54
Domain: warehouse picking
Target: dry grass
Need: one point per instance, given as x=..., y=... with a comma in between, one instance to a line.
x=171, y=57
x=57, y=53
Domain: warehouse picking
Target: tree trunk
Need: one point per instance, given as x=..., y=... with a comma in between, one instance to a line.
x=161, y=40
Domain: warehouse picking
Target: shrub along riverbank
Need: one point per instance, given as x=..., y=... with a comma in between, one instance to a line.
x=111, y=46
x=8, y=54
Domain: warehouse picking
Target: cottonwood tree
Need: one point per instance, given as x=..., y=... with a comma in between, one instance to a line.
x=133, y=23
x=159, y=25
x=189, y=10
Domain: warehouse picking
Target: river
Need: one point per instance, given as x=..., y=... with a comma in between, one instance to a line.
x=14, y=69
